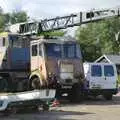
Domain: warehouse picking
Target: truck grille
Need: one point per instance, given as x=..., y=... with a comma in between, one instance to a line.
x=66, y=71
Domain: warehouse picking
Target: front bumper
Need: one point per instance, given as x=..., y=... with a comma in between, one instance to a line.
x=100, y=91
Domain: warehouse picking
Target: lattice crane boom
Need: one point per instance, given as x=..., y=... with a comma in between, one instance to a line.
x=64, y=22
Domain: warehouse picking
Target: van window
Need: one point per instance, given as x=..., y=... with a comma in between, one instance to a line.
x=108, y=70
x=96, y=70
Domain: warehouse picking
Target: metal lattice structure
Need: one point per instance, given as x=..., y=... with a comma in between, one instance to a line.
x=64, y=22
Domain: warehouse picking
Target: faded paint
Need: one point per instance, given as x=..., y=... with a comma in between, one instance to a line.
x=20, y=57
x=53, y=66
x=38, y=64
x=67, y=70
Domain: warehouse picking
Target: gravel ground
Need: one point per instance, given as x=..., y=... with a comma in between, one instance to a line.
x=93, y=109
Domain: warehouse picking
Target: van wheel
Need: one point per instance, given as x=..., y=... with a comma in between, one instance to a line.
x=35, y=83
x=108, y=96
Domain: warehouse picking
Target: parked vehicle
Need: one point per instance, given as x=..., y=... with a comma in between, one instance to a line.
x=28, y=62
x=101, y=79
x=35, y=63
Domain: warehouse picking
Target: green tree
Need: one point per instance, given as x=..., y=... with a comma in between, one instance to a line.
x=17, y=17
x=12, y=18
x=2, y=20
x=99, y=38
x=55, y=33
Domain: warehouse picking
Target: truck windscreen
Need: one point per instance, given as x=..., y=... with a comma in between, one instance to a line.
x=62, y=50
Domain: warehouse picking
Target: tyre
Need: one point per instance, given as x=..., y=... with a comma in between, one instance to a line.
x=35, y=83
x=108, y=96
x=76, y=95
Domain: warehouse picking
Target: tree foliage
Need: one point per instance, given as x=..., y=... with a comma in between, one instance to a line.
x=2, y=19
x=99, y=38
x=17, y=17
x=11, y=18
x=55, y=33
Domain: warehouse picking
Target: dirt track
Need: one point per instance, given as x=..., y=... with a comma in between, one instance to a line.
x=93, y=109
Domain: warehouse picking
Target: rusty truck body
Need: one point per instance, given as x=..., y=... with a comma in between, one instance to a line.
x=37, y=62
x=28, y=62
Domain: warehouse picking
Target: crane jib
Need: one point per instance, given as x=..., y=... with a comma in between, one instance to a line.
x=64, y=22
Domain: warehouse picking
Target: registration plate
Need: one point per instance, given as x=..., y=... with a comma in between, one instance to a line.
x=96, y=86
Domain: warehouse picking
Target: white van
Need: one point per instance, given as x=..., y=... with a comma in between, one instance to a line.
x=101, y=79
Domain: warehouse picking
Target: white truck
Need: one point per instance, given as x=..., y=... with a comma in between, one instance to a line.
x=101, y=79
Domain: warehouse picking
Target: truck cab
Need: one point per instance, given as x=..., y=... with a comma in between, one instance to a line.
x=40, y=62
x=55, y=62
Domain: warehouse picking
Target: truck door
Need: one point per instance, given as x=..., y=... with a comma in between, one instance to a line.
x=110, y=77
x=96, y=77
x=37, y=59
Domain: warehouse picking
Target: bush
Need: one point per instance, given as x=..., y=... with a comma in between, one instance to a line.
x=118, y=79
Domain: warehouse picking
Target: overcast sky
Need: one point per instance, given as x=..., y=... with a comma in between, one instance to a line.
x=49, y=8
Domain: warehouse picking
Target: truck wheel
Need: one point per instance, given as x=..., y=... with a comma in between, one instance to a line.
x=35, y=83
x=76, y=94
x=108, y=96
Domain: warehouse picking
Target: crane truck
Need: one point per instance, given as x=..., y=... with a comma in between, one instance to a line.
x=30, y=62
